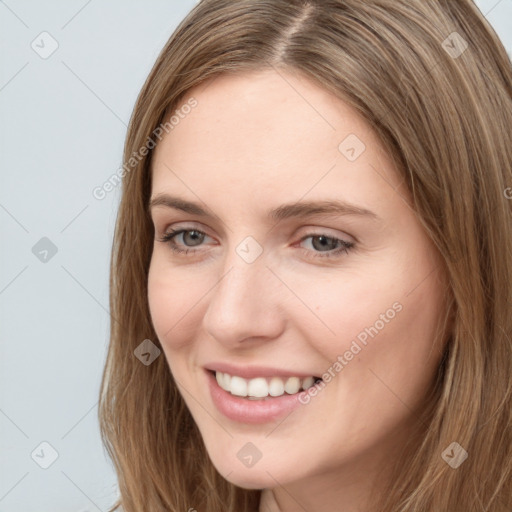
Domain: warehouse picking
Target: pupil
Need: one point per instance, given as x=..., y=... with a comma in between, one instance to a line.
x=324, y=242
x=195, y=237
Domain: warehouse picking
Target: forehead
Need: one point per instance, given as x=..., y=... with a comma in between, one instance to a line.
x=267, y=113
x=270, y=132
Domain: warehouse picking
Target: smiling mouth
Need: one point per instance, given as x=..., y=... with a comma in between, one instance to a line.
x=261, y=388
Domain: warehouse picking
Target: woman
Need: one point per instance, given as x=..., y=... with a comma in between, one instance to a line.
x=311, y=265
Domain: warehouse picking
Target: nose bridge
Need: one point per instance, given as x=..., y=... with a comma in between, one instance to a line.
x=244, y=270
x=240, y=304
x=241, y=284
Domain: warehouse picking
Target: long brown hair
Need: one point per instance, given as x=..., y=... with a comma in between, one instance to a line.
x=435, y=83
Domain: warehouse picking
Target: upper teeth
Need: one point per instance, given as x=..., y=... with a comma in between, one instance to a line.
x=261, y=387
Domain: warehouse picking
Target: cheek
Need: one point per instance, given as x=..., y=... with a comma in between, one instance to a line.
x=171, y=300
x=343, y=305
x=378, y=322
x=381, y=359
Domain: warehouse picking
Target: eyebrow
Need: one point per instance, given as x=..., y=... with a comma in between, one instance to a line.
x=286, y=211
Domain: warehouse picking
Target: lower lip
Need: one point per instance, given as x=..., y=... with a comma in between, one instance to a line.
x=244, y=410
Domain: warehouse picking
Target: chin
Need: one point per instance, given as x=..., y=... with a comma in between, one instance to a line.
x=262, y=475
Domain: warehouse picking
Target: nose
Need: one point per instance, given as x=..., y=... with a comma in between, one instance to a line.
x=245, y=304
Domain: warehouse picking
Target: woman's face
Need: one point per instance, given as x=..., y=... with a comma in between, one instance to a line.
x=304, y=260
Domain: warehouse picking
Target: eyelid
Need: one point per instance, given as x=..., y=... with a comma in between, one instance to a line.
x=307, y=230
x=330, y=232
x=333, y=254
x=179, y=226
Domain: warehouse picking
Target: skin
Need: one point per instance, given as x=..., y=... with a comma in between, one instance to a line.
x=256, y=141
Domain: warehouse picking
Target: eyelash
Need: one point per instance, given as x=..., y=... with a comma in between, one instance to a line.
x=345, y=246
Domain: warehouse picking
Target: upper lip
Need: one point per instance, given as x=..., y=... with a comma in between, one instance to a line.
x=251, y=372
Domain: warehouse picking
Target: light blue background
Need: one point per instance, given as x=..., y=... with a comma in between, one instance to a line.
x=63, y=122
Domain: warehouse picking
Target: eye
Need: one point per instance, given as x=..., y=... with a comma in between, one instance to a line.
x=192, y=236
x=327, y=246
x=323, y=246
